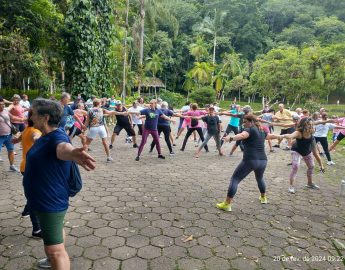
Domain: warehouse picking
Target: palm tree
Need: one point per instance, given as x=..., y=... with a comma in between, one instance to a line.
x=154, y=65
x=198, y=49
x=202, y=73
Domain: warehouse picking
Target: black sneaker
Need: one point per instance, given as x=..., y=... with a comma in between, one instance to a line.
x=37, y=234
x=181, y=149
x=135, y=145
x=25, y=214
x=137, y=158
x=276, y=145
x=110, y=146
x=172, y=153
x=160, y=156
x=174, y=144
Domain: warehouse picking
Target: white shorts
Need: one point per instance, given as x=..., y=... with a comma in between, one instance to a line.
x=94, y=131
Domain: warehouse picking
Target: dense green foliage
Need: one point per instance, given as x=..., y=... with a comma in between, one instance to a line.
x=292, y=50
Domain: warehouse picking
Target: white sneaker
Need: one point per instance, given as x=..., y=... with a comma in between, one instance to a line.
x=292, y=190
x=330, y=163
x=13, y=168
x=1, y=159
x=44, y=263
x=110, y=159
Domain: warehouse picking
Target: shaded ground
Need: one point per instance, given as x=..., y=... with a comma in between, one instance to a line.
x=136, y=215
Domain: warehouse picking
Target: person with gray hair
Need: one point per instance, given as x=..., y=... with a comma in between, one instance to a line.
x=164, y=126
x=68, y=112
x=47, y=172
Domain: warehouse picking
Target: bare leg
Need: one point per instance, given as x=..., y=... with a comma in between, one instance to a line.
x=106, y=147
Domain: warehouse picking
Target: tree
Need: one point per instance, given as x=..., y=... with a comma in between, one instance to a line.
x=154, y=65
x=202, y=73
x=89, y=37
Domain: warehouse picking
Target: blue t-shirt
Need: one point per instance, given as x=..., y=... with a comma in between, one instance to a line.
x=234, y=121
x=46, y=177
x=67, y=110
x=152, y=117
x=162, y=121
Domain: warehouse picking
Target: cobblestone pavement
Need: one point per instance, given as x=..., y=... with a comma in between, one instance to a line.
x=140, y=215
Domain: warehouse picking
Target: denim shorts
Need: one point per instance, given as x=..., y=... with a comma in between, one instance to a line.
x=7, y=141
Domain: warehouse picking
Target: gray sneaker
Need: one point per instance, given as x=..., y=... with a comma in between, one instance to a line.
x=13, y=168
x=44, y=263
x=312, y=186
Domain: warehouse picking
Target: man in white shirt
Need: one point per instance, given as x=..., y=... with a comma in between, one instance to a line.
x=25, y=103
x=134, y=112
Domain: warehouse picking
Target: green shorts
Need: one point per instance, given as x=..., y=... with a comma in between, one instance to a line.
x=52, y=227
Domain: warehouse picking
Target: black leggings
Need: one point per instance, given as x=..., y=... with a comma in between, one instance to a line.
x=189, y=132
x=166, y=131
x=324, y=144
x=245, y=168
x=228, y=130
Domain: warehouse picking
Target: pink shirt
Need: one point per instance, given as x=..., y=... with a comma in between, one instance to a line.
x=341, y=122
x=193, y=113
x=17, y=111
x=4, y=128
x=80, y=116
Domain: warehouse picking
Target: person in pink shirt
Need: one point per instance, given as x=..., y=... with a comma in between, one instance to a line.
x=341, y=135
x=195, y=125
x=17, y=113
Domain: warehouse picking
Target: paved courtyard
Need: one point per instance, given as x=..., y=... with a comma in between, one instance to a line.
x=160, y=215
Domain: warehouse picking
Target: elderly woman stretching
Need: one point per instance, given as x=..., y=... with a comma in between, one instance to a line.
x=47, y=172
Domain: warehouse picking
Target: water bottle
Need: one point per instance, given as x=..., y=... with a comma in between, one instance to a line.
x=342, y=188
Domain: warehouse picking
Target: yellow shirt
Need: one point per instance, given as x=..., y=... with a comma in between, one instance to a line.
x=27, y=142
x=286, y=114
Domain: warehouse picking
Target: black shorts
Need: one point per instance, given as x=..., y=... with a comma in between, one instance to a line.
x=129, y=130
x=340, y=136
x=230, y=129
x=74, y=131
x=287, y=131
x=140, y=128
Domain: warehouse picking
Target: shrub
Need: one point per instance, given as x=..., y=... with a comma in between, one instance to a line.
x=174, y=99
x=204, y=95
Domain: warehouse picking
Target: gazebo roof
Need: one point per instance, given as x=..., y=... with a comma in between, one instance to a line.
x=152, y=82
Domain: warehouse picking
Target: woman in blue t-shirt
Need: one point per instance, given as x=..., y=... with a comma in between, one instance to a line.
x=46, y=177
x=151, y=114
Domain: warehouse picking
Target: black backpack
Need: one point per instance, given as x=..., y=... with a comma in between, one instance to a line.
x=74, y=182
x=194, y=122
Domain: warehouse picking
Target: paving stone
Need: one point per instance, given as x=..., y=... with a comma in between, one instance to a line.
x=25, y=262
x=134, y=264
x=190, y=264
x=123, y=252
x=162, y=241
x=175, y=252
x=149, y=252
x=105, y=232
x=200, y=252
x=88, y=241
x=137, y=241
x=113, y=241
x=217, y=263
x=106, y=264
x=96, y=252
x=81, y=263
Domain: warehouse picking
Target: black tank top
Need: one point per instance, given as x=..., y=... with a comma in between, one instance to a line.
x=303, y=146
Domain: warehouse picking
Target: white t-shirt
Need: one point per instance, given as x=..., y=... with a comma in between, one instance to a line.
x=25, y=104
x=135, y=118
x=322, y=130
x=185, y=108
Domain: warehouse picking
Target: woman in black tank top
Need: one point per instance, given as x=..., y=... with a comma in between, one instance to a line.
x=302, y=148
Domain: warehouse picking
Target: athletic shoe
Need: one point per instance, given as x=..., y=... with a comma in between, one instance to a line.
x=292, y=190
x=224, y=206
x=174, y=144
x=37, y=234
x=44, y=263
x=322, y=154
x=137, y=158
x=312, y=186
x=172, y=153
x=272, y=151
x=330, y=163
x=181, y=149
x=109, y=159
x=25, y=214
x=276, y=145
x=161, y=156
x=230, y=155
x=110, y=146
x=1, y=159
x=263, y=199
x=13, y=169
x=135, y=145
x=195, y=140
x=176, y=138
x=287, y=148
x=150, y=151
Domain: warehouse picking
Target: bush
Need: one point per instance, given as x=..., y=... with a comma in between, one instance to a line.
x=8, y=93
x=204, y=95
x=174, y=99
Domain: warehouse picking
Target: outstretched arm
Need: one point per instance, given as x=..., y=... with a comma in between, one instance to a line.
x=65, y=151
x=241, y=136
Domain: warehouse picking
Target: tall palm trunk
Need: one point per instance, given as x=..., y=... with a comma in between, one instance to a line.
x=141, y=50
x=125, y=56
